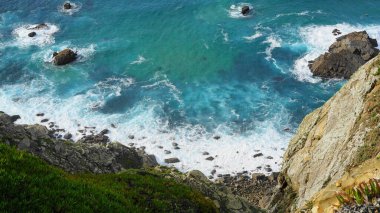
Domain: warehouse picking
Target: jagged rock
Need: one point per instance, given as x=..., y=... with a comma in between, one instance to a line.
x=14, y=118
x=32, y=34
x=345, y=56
x=245, y=10
x=64, y=57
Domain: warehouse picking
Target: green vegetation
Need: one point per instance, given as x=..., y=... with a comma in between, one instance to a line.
x=28, y=184
x=365, y=193
x=377, y=72
x=370, y=118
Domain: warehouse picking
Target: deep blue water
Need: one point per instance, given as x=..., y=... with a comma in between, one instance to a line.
x=176, y=70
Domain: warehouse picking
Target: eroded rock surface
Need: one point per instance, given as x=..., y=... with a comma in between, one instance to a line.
x=345, y=56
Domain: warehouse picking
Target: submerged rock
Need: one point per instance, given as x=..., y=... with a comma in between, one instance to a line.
x=345, y=56
x=245, y=10
x=64, y=57
x=39, y=27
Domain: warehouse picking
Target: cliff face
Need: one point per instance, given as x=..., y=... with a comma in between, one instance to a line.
x=335, y=138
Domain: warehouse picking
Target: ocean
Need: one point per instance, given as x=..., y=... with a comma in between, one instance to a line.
x=194, y=73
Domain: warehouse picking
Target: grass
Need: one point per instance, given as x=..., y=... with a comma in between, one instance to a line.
x=364, y=193
x=28, y=184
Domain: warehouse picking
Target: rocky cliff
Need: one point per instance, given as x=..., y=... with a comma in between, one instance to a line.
x=332, y=142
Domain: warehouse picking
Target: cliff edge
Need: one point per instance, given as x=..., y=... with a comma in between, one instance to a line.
x=333, y=141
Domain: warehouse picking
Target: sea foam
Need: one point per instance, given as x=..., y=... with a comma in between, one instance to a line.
x=44, y=36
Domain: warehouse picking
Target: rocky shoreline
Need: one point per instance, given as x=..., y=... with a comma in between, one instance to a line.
x=95, y=153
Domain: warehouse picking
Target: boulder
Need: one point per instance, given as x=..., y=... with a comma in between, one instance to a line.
x=32, y=34
x=67, y=6
x=245, y=10
x=64, y=57
x=172, y=160
x=345, y=56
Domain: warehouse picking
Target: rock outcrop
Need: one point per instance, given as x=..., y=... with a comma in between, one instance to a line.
x=64, y=57
x=332, y=141
x=345, y=56
x=91, y=154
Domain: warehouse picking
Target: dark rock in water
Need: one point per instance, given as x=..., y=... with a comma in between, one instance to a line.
x=167, y=152
x=268, y=169
x=175, y=144
x=217, y=137
x=40, y=114
x=172, y=160
x=345, y=56
x=44, y=120
x=67, y=136
x=67, y=6
x=131, y=137
x=205, y=153
x=176, y=147
x=32, y=34
x=55, y=54
x=64, y=57
x=113, y=125
x=245, y=10
x=104, y=132
x=210, y=158
x=213, y=172
x=269, y=157
x=14, y=118
x=258, y=155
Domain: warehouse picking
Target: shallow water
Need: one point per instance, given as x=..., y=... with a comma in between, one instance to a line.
x=177, y=71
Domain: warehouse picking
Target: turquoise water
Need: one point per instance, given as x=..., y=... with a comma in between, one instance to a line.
x=177, y=71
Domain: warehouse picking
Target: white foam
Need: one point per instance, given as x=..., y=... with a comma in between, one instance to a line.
x=139, y=60
x=235, y=10
x=43, y=37
x=225, y=35
x=254, y=36
x=75, y=8
x=233, y=152
x=274, y=42
x=318, y=39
